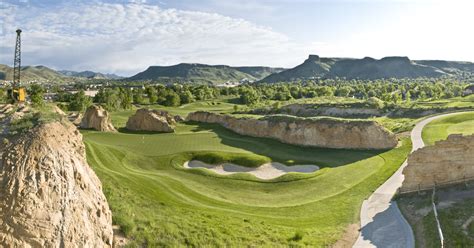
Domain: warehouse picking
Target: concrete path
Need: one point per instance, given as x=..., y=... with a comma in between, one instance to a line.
x=382, y=224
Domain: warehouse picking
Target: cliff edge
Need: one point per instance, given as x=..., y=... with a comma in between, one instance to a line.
x=320, y=132
x=49, y=196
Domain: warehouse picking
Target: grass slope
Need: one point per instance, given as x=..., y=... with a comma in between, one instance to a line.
x=159, y=203
x=440, y=129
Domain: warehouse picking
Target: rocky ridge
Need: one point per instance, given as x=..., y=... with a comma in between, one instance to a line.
x=447, y=161
x=322, y=132
x=49, y=196
x=97, y=118
x=151, y=120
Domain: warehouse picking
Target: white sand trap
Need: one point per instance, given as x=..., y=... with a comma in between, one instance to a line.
x=265, y=171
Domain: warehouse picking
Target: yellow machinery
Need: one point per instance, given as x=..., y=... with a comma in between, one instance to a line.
x=17, y=93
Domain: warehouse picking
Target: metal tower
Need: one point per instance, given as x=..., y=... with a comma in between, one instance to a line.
x=17, y=60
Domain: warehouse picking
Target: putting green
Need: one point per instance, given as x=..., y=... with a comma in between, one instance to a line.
x=440, y=129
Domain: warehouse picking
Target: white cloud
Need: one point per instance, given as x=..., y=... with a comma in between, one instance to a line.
x=127, y=38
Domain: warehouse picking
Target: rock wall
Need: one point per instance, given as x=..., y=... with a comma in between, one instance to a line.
x=328, y=132
x=49, y=196
x=97, y=118
x=447, y=161
x=315, y=110
x=151, y=120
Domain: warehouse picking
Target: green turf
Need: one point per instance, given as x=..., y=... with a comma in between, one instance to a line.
x=119, y=118
x=159, y=203
x=441, y=128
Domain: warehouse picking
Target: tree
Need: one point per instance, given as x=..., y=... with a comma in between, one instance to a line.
x=138, y=96
x=249, y=97
x=36, y=95
x=186, y=97
x=79, y=101
x=172, y=99
x=152, y=95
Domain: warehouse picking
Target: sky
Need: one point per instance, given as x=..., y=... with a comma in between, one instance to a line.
x=127, y=36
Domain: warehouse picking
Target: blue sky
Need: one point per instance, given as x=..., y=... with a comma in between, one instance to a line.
x=125, y=37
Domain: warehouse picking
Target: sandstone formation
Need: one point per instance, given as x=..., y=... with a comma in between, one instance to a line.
x=151, y=120
x=315, y=110
x=97, y=118
x=448, y=161
x=327, y=132
x=49, y=196
x=75, y=119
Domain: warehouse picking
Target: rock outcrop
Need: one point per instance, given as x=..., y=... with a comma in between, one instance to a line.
x=448, y=161
x=321, y=132
x=151, y=120
x=49, y=196
x=97, y=118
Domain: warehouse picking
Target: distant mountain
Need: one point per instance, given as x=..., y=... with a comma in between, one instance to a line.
x=89, y=74
x=203, y=74
x=312, y=67
x=449, y=66
x=32, y=73
x=366, y=68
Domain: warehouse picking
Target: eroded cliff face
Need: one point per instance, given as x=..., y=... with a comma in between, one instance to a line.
x=98, y=119
x=329, y=133
x=447, y=161
x=151, y=120
x=49, y=196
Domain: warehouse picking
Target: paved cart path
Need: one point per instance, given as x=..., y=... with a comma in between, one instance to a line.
x=382, y=224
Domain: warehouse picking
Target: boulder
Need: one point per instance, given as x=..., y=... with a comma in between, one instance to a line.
x=448, y=161
x=151, y=120
x=97, y=118
x=75, y=118
x=50, y=197
x=317, y=132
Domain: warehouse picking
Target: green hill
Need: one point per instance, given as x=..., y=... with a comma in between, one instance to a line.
x=32, y=73
x=89, y=74
x=203, y=74
x=312, y=67
x=449, y=66
x=366, y=68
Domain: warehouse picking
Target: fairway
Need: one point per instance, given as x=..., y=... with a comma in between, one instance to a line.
x=440, y=129
x=168, y=205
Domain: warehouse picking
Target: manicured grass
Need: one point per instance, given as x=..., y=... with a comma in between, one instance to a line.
x=455, y=102
x=119, y=118
x=159, y=203
x=440, y=129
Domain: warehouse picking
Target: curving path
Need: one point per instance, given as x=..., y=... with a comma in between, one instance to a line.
x=382, y=224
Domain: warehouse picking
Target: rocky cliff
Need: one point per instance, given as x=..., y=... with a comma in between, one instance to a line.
x=49, y=196
x=447, y=161
x=97, y=118
x=321, y=132
x=151, y=120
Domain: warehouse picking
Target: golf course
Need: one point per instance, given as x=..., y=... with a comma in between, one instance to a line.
x=158, y=202
x=440, y=129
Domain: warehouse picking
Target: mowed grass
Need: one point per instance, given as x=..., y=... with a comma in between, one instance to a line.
x=440, y=129
x=158, y=202
x=223, y=105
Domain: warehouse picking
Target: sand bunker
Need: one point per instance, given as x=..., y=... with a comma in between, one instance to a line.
x=265, y=171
